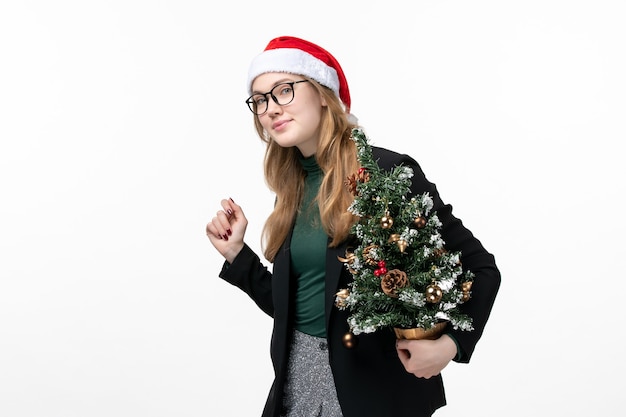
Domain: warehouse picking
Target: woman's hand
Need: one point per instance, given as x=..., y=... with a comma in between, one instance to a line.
x=426, y=358
x=227, y=229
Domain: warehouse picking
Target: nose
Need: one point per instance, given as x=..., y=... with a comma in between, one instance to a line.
x=272, y=106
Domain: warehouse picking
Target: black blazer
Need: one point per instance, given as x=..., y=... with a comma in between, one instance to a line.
x=370, y=379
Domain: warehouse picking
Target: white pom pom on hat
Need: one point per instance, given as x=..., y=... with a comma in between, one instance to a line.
x=298, y=56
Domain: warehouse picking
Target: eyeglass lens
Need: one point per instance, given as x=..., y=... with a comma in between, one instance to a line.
x=282, y=94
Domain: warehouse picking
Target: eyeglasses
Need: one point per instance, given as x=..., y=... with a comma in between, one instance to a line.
x=282, y=94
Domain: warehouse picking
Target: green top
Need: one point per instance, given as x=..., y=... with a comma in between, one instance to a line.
x=308, y=256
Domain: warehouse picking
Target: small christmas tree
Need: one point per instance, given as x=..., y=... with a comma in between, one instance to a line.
x=403, y=275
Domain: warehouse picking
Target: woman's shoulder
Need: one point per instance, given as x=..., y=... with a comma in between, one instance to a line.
x=388, y=159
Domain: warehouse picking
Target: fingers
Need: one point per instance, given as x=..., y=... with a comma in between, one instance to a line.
x=402, y=344
x=227, y=229
x=227, y=221
x=404, y=356
x=423, y=358
x=230, y=207
x=219, y=226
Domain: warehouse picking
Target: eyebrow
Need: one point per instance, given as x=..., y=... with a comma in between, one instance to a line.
x=281, y=81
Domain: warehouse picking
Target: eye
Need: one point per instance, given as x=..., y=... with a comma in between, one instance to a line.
x=258, y=99
x=284, y=89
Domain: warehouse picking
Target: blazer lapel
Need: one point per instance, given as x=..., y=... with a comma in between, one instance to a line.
x=334, y=267
x=281, y=282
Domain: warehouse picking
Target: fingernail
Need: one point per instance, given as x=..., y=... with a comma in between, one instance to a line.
x=230, y=212
x=230, y=232
x=230, y=198
x=225, y=237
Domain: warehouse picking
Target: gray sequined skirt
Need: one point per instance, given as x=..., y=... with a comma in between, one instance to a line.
x=310, y=388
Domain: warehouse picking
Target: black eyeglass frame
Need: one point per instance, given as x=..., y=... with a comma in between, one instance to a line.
x=251, y=104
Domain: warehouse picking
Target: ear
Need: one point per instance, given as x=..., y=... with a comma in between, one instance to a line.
x=323, y=101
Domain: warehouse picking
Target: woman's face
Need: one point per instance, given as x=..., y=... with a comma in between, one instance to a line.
x=294, y=124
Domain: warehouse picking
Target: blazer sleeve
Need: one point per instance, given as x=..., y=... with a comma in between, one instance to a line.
x=474, y=257
x=248, y=273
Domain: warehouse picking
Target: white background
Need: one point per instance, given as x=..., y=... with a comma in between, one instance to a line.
x=123, y=124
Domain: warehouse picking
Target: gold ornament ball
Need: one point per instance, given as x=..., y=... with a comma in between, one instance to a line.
x=350, y=340
x=433, y=294
x=419, y=222
x=386, y=222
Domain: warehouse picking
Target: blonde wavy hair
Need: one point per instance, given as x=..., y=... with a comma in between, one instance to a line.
x=284, y=175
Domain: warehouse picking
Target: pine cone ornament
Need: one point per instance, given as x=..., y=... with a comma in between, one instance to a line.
x=392, y=281
x=351, y=183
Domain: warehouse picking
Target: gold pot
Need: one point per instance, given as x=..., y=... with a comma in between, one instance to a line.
x=417, y=333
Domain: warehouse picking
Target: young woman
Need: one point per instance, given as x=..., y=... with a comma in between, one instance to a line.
x=301, y=104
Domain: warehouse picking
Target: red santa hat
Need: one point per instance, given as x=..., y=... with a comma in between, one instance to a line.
x=297, y=56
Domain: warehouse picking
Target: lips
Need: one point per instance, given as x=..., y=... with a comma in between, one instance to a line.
x=279, y=124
